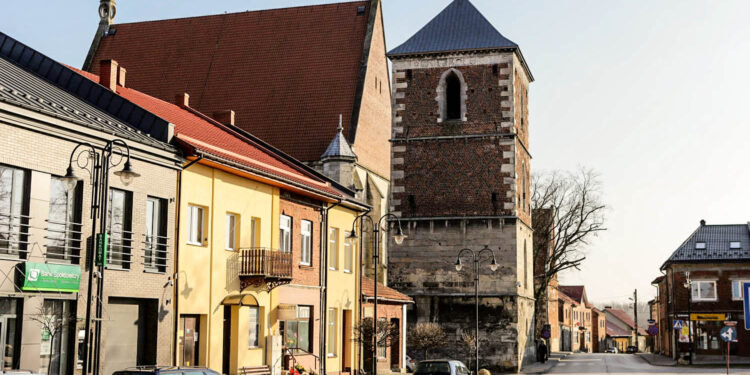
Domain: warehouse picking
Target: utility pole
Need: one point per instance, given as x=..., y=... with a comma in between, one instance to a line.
x=635, y=315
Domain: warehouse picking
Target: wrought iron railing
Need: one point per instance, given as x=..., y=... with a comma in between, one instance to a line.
x=264, y=262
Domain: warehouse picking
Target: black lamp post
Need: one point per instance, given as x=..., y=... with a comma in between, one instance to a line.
x=689, y=286
x=399, y=237
x=476, y=257
x=97, y=162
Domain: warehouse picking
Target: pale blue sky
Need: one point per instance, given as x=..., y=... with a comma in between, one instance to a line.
x=652, y=94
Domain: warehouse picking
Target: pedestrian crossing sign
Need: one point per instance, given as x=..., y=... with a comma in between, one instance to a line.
x=677, y=324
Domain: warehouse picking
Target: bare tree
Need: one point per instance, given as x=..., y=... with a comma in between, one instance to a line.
x=567, y=213
x=52, y=323
x=426, y=336
x=467, y=341
x=387, y=333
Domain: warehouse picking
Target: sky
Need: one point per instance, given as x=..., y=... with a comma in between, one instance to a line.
x=653, y=95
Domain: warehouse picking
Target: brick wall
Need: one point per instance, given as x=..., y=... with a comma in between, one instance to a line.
x=301, y=209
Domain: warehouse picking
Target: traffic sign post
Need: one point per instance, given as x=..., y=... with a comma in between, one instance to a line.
x=729, y=335
x=677, y=324
x=653, y=330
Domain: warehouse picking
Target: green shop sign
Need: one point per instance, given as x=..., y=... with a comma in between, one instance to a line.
x=45, y=277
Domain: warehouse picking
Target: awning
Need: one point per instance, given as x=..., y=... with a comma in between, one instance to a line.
x=244, y=299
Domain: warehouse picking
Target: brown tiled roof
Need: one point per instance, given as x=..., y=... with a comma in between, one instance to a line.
x=616, y=331
x=384, y=292
x=575, y=292
x=287, y=73
x=625, y=318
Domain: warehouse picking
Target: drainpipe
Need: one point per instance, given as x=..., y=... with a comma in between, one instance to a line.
x=324, y=284
x=175, y=320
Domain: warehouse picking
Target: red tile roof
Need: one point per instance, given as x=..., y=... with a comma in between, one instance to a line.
x=566, y=298
x=221, y=141
x=615, y=331
x=625, y=318
x=384, y=292
x=575, y=292
x=287, y=73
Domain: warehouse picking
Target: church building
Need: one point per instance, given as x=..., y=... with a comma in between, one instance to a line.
x=460, y=171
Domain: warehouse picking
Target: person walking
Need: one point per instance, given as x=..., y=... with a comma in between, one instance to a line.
x=542, y=352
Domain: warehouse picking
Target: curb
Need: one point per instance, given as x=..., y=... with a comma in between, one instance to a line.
x=647, y=360
x=552, y=364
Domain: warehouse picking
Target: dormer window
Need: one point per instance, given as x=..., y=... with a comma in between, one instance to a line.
x=452, y=96
x=700, y=246
x=735, y=245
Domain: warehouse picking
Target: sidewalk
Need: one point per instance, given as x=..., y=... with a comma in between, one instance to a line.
x=543, y=368
x=657, y=360
x=660, y=360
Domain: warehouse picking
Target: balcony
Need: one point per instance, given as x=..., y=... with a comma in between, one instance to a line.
x=263, y=266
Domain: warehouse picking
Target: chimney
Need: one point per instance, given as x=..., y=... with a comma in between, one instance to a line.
x=225, y=117
x=108, y=74
x=182, y=100
x=703, y=223
x=121, y=77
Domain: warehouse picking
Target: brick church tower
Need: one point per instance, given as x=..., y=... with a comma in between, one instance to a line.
x=460, y=179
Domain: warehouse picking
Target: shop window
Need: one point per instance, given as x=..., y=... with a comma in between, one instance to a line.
x=232, y=233
x=64, y=222
x=306, y=242
x=332, y=333
x=285, y=235
x=14, y=200
x=196, y=222
x=155, y=244
x=57, y=320
x=254, y=327
x=333, y=248
x=737, y=289
x=704, y=290
x=119, y=227
x=297, y=333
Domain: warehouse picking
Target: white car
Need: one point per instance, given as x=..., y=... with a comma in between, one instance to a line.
x=611, y=350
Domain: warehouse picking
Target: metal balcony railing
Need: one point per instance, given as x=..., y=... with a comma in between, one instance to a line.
x=155, y=252
x=266, y=263
x=63, y=241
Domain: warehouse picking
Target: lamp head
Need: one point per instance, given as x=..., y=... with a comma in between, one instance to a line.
x=459, y=266
x=70, y=179
x=126, y=174
x=400, y=236
x=352, y=235
x=493, y=265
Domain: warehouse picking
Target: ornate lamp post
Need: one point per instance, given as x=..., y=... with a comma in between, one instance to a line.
x=399, y=237
x=477, y=258
x=97, y=162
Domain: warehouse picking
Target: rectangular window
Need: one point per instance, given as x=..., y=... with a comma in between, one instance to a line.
x=737, y=289
x=285, y=235
x=231, y=234
x=254, y=327
x=700, y=245
x=155, y=257
x=120, y=226
x=196, y=222
x=64, y=222
x=332, y=332
x=382, y=348
x=297, y=333
x=333, y=248
x=735, y=245
x=348, y=247
x=704, y=290
x=254, y=232
x=306, y=242
x=13, y=210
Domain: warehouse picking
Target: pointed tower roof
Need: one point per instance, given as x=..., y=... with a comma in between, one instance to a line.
x=339, y=146
x=459, y=27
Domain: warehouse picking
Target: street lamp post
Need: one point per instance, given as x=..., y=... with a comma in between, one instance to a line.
x=476, y=257
x=97, y=162
x=689, y=286
x=399, y=238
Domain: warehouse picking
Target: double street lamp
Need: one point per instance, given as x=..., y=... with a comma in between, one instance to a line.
x=486, y=254
x=98, y=162
x=399, y=237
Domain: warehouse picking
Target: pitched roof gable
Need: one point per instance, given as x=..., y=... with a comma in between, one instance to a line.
x=717, y=239
x=288, y=73
x=623, y=317
x=384, y=292
x=576, y=292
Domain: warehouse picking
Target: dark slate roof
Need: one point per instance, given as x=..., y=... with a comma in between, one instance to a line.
x=717, y=239
x=34, y=81
x=339, y=147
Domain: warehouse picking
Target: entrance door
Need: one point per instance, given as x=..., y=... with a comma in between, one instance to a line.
x=189, y=341
x=8, y=339
x=227, y=339
x=396, y=345
x=346, y=342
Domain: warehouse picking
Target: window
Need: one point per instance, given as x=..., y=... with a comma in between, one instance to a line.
x=13, y=210
x=452, y=97
x=231, y=234
x=700, y=245
x=59, y=323
x=120, y=226
x=155, y=257
x=737, y=289
x=254, y=232
x=332, y=332
x=735, y=245
x=704, y=290
x=348, y=246
x=297, y=333
x=333, y=248
x=196, y=222
x=64, y=222
x=525, y=266
x=254, y=327
x=285, y=235
x=306, y=242
x=382, y=348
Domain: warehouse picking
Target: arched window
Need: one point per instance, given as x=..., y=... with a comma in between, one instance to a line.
x=452, y=97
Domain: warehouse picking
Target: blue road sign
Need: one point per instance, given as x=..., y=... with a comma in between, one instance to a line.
x=677, y=324
x=653, y=330
x=729, y=334
x=546, y=334
x=746, y=294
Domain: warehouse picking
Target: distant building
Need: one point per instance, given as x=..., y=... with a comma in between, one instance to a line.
x=392, y=308
x=598, y=330
x=621, y=330
x=581, y=326
x=702, y=284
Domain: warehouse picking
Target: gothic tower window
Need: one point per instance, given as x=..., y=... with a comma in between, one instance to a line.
x=452, y=96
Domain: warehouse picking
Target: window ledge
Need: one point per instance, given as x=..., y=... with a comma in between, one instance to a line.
x=306, y=267
x=155, y=272
x=120, y=269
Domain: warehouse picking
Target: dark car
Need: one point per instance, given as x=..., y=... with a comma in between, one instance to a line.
x=632, y=349
x=166, y=370
x=441, y=367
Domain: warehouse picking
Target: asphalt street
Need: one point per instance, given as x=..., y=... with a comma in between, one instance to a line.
x=625, y=364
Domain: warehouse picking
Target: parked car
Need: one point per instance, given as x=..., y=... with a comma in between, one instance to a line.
x=166, y=370
x=632, y=349
x=410, y=364
x=611, y=350
x=441, y=367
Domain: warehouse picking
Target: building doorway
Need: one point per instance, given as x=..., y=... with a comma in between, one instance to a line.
x=10, y=333
x=346, y=346
x=226, y=340
x=396, y=345
x=189, y=345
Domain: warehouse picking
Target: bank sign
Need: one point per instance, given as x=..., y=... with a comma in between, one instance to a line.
x=45, y=277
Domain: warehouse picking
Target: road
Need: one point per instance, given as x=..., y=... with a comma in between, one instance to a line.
x=624, y=364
